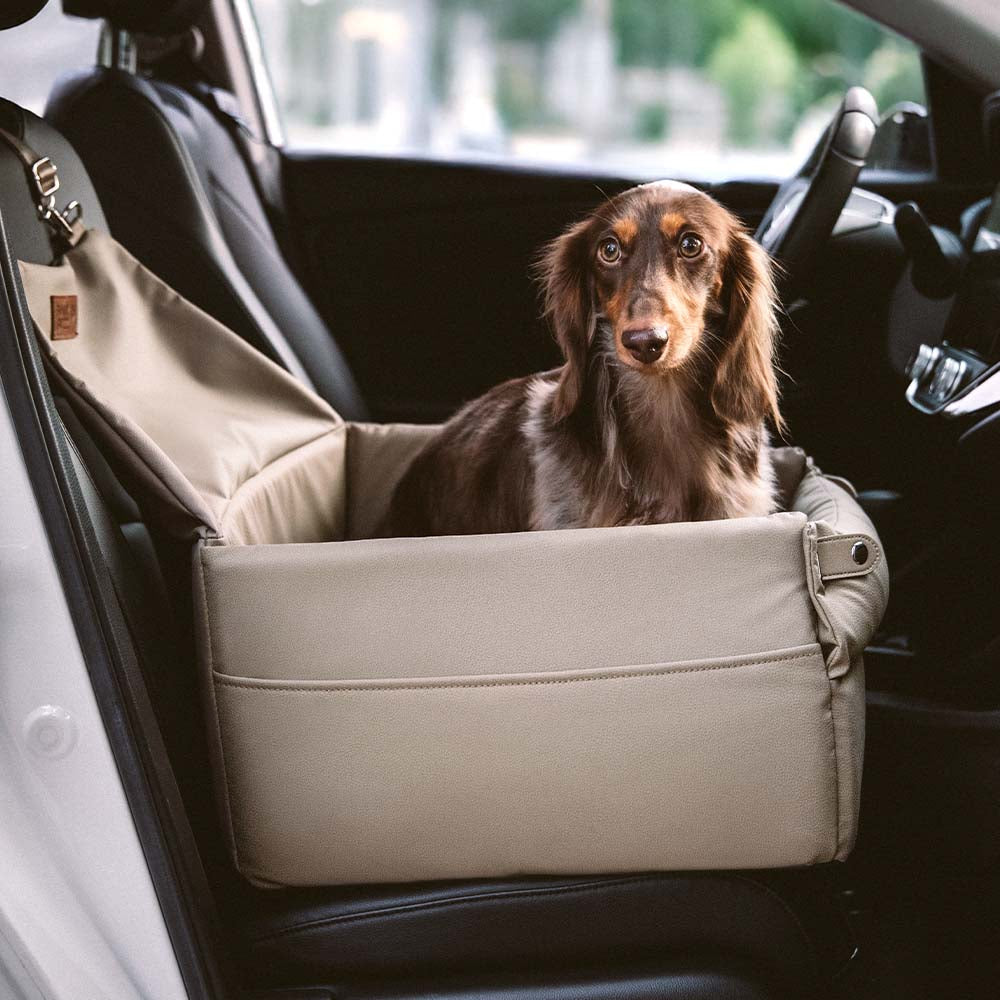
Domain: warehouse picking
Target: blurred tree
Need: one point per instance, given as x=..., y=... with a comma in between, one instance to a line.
x=652, y=122
x=756, y=67
x=773, y=59
x=670, y=31
x=820, y=26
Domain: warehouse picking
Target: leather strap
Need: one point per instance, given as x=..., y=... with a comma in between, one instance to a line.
x=265, y=171
x=29, y=157
x=843, y=556
x=43, y=177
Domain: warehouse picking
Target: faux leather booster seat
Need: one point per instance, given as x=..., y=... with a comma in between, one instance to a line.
x=692, y=699
x=786, y=932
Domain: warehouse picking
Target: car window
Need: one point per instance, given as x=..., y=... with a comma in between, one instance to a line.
x=712, y=89
x=33, y=55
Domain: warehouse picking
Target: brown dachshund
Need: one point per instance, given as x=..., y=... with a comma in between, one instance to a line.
x=664, y=309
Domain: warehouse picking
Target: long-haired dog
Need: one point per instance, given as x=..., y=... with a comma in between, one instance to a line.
x=664, y=309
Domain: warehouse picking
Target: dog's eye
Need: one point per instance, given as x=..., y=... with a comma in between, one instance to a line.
x=690, y=245
x=609, y=250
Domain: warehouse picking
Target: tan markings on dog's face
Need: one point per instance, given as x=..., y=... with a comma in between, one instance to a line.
x=625, y=229
x=666, y=275
x=671, y=223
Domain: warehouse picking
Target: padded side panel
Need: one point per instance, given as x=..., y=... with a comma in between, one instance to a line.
x=576, y=701
x=496, y=604
x=715, y=764
x=848, y=611
x=299, y=497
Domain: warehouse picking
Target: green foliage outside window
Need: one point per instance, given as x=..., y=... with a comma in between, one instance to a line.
x=772, y=59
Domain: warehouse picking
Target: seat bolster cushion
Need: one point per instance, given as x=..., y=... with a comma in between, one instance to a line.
x=785, y=925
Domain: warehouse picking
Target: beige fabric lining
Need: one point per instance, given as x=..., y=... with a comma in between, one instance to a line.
x=298, y=497
x=377, y=457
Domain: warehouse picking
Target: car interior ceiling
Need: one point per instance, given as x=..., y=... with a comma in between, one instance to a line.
x=379, y=326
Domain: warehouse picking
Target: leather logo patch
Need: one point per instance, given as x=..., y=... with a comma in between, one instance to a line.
x=63, y=317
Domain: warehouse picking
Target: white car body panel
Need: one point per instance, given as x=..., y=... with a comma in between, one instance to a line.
x=78, y=913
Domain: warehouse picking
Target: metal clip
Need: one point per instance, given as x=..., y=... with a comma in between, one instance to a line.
x=66, y=224
x=46, y=178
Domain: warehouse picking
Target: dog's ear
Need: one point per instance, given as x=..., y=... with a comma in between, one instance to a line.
x=745, y=390
x=564, y=271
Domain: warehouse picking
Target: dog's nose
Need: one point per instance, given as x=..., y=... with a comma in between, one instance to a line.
x=644, y=345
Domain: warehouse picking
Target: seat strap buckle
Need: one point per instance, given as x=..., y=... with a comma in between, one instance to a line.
x=46, y=177
x=66, y=223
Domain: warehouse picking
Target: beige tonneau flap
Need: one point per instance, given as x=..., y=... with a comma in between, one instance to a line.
x=237, y=443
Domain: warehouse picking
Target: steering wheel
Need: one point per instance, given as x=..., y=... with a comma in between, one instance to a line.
x=798, y=223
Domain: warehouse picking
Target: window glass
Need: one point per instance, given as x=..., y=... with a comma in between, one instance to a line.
x=33, y=55
x=701, y=88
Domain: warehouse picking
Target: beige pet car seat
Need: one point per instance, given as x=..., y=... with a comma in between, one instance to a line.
x=683, y=696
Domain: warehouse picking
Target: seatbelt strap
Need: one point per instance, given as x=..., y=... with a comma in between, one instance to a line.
x=225, y=107
x=43, y=178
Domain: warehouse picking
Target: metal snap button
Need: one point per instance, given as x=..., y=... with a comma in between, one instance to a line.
x=859, y=553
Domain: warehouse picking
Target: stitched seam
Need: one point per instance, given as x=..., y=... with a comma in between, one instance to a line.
x=238, y=683
x=511, y=893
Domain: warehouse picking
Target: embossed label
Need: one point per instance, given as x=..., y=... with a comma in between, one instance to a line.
x=63, y=317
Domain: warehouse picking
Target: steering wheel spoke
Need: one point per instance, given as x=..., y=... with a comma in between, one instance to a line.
x=800, y=220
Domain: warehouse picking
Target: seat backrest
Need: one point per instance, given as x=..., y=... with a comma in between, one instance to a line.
x=179, y=195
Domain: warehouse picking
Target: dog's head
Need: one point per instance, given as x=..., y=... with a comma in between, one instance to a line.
x=662, y=279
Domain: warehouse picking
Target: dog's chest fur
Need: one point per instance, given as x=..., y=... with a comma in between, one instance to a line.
x=646, y=457
x=636, y=451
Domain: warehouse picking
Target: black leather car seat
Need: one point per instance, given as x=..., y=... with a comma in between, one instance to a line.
x=179, y=195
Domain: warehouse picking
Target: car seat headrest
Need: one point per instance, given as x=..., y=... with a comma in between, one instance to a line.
x=149, y=17
x=18, y=11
